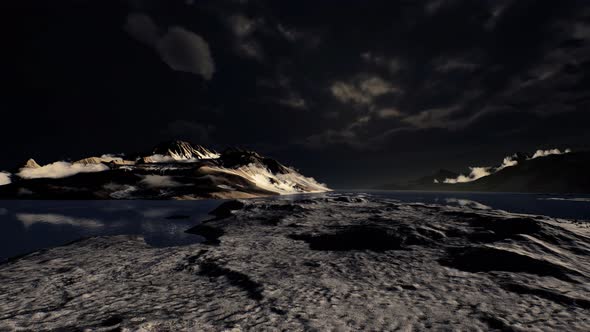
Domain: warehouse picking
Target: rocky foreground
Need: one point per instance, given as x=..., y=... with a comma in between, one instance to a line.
x=324, y=262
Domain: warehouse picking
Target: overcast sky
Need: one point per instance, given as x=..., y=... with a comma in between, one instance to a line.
x=354, y=93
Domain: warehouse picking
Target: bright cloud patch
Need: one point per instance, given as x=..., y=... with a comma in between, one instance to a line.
x=362, y=91
x=60, y=169
x=389, y=113
x=4, y=178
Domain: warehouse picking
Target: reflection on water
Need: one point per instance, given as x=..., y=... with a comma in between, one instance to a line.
x=467, y=203
x=30, y=219
x=26, y=226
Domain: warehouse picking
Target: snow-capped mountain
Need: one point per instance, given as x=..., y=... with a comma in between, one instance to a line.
x=181, y=150
x=173, y=170
x=544, y=171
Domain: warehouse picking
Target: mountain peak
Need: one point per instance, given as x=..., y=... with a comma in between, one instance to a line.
x=237, y=156
x=31, y=163
x=182, y=150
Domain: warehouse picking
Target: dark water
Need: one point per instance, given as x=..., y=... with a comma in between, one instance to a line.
x=558, y=206
x=26, y=226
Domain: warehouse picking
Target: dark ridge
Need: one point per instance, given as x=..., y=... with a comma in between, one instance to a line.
x=113, y=320
x=235, y=157
x=190, y=261
x=564, y=173
x=496, y=323
x=225, y=209
x=372, y=238
x=279, y=207
x=497, y=229
x=486, y=259
x=547, y=294
x=272, y=221
x=177, y=216
x=210, y=233
x=278, y=311
x=348, y=199
x=237, y=279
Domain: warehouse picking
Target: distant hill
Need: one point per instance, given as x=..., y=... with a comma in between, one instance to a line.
x=559, y=173
x=423, y=182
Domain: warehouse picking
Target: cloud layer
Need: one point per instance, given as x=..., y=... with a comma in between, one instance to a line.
x=181, y=49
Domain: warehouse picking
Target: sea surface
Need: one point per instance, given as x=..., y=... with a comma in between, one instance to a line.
x=26, y=226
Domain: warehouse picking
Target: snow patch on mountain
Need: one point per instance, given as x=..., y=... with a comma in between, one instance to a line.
x=508, y=162
x=184, y=151
x=5, y=178
x=545, y=153
x=162, y=159
x=476, y=173
x=288, y=183
x=105, y=158
x=60, y=169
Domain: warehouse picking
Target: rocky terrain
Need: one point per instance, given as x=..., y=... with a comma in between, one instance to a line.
x=345, y=262
x=172, y=170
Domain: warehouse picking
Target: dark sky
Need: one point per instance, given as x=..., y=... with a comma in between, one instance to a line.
x=354, y=93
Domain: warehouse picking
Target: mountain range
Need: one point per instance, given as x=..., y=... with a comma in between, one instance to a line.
x=545, y=171
x=173, y=170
